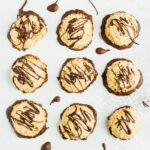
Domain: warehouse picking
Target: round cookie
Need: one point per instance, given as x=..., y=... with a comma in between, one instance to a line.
x=78, y=121
x=121, y=77
x=124, y=123
x=77, y=74
x=26, y=30
x=27, y=118
x=29, y=73
x=75, y=30
x=120, y=30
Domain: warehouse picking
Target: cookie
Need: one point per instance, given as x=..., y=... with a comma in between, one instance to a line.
x=29, y=73
x=120, y=30
x=75, y=30
x=124, y=123
x=27, y=30
x=27, y=118
x=78, y=121
x=77, y=74
x=121, y=77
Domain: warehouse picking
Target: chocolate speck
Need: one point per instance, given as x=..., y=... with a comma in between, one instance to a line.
x=55, y=100
x=102, y=50
x=53, y=7
x=46, y=146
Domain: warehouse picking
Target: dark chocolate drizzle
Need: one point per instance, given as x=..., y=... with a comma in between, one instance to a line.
x=93, y=6
x=27, y=28
x=75, y=26
x=145, y=104
x=22, y=7
x=79, y=74
x=123, y=25
x=46, y=146
x=26, y=71
x=53, y=7
x=27, y=116
x=102, y=50
x=123, y=77
x=79, y=121
x=123, y=121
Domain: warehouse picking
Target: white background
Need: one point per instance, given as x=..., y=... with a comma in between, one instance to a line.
x=53, y=54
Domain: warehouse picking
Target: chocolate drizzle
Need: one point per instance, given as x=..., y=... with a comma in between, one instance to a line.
x=79, y=75
x=53, y=7
x=75, y=30
x=102, y=50
x=123, y=121
x=22, y=7
x=93, y=6
x=80, y=119
x=27, y=116
x=123, y=26
x=27, y=71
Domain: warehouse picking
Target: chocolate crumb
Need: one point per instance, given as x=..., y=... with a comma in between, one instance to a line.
x=104, y=146
x=55, y=100
x=46, y=146
x=102, y=50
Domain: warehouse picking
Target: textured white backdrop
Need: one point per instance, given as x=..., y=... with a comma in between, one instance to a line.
x=50, y=51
